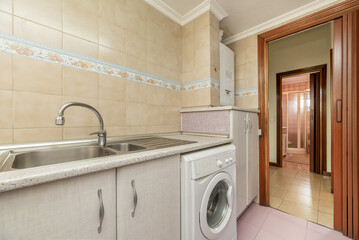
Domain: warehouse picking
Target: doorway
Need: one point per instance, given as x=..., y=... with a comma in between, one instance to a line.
x=345, y=170
x=302, y=119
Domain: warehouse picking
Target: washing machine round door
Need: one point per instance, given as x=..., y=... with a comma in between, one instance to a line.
x=216, y=206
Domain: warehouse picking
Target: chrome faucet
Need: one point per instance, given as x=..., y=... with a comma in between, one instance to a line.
x=60, y=120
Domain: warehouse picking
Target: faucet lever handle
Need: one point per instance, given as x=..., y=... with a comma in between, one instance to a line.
x=100, y=132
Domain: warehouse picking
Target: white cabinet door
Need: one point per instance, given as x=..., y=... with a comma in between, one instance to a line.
x=155, y=214
x=239, y=140
x=253, y=157
x=65, y=209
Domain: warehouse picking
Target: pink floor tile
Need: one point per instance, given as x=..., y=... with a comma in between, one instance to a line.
x=284, y=227
x=330, y=233
x=256, y=215
x=246, y=231
x=263, y=235
x=290, y=218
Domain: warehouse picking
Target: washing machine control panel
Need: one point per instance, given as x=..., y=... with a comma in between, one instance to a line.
x=211, y=164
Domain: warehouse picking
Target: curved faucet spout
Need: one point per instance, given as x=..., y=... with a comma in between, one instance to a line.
x=60, y=120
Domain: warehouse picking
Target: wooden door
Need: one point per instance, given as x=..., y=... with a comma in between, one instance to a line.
x=148, y=200
x=317, y=147
x=65, y=209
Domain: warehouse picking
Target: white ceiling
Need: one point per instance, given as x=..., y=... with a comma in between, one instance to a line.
x=245, y=17
x=246, y=14
x=183, y=6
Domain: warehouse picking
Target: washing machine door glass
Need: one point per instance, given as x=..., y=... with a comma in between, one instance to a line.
x=217, y=205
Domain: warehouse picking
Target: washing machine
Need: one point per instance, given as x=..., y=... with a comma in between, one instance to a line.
x=208, y=194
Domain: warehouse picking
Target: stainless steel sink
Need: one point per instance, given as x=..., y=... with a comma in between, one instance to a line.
x=126, y=147
x=54, y=156
x=37, y=155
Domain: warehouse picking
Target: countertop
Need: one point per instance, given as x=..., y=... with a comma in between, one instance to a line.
x=32, y=176
x=220, y=108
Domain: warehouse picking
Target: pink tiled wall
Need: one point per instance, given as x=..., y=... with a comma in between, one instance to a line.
x=206, y=122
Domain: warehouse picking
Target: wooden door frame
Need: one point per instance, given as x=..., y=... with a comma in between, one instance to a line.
x=343, y=11
x=322, y=133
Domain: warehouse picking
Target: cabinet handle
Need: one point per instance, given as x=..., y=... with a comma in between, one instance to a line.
x=339, y=110
x=102, y=210
x=134, y=198
x=250, y=125
x=245, y=125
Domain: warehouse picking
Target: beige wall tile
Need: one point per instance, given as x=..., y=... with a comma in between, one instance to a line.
x=113, y=113
x=239, y=57
x=80, y=83
x=112, y=88
x=137, y=5
x=215, y=97
x=214, y=21
x=6, y=6
x=80, y=46
x=115, y=131
x=247, y=102
x=113, y=11
x=6, y=109
x=112, y=36
x=136, y=92
x=6, y=71
x=81, y=19
x=202, y=37
x=48, y=13
x=251, y=53
x=5, y=22
x=202, y=21
x=156, y=115
x=79, y=133
x=137, y=46
x=80, y=116
x=112, y=56
x=136, y=114
x=188, y=29
x=202, y=57
x=37, y=135
x=136, y=63
x=136, y=22
x=156, y=95
x=34, y=110
x=136, y=130
x=6, y=136
x=37, y=76
x=201, y=97
x=36, y=32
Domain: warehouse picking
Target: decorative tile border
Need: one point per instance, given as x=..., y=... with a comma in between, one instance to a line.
x=200, y=84
x=22, y=47
x=246, y=92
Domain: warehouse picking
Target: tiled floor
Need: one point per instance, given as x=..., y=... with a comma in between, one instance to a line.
x=296, y=161
x=264, y=223
x=303, y=194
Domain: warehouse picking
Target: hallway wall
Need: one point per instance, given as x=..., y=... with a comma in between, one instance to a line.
x=305, y=49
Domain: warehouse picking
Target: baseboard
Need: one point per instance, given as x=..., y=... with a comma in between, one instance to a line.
x=274, y=164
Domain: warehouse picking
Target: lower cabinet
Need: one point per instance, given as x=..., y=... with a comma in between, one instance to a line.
x=148, y=200
x=65, y=209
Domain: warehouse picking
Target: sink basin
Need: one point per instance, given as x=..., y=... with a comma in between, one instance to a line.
x=125, y=147
x=53, y=156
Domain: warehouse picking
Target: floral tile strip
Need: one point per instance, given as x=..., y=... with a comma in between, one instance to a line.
x=200, y=84
x=246, y=92
x=18, y=46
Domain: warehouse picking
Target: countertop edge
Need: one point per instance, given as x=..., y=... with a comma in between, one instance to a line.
x=25, y=178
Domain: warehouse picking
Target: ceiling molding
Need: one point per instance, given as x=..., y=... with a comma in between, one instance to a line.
x=308, y=8
x=208, y=5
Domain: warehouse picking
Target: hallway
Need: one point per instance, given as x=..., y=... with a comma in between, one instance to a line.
x=296, y=161
x=303, y=194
